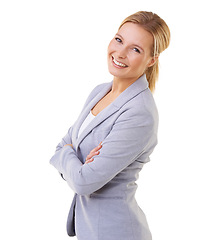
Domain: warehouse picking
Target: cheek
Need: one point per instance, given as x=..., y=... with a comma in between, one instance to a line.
x=137, y=62
x=111, y=47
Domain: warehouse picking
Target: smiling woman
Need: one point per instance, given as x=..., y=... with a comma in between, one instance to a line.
x=159, y=31
x=129, y=53
x=116, y=132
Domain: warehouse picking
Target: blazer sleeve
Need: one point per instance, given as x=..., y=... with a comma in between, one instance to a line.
x=65, y=140
x=131, y=136
x=68, y=137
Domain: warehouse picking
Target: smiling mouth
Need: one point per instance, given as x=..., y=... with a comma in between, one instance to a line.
x=119, y=64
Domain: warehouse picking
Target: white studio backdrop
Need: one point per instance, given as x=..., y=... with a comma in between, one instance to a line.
x=52, y=54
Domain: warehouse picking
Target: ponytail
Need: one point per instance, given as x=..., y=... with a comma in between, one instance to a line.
x=155, y=25
x=152, y=74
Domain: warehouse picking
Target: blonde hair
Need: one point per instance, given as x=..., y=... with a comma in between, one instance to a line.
x=155, y=25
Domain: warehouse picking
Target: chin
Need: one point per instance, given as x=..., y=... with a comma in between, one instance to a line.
x=116, y=73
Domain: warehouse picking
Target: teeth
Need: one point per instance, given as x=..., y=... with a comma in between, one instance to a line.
x=118, y=63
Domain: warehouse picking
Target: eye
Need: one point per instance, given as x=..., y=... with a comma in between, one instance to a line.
x=136, y=50
x=118, y=39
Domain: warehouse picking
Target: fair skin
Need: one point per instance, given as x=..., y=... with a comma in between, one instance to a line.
x=129, y=55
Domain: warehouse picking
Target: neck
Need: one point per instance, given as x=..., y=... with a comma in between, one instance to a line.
x=119, y=85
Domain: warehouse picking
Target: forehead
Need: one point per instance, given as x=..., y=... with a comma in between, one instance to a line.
x=135, y=34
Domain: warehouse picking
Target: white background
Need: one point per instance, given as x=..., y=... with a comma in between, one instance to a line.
x=52, y=54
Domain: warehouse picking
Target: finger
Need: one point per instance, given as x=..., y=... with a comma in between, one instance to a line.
x=68, y=145
x=89, y=160
x=96, y=148
x=92, y=154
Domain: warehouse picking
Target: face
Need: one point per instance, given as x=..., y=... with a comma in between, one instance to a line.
x=129, y=52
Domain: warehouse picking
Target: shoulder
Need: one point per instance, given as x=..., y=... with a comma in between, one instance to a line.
x=141, y=109
x=145, y=102
x=99, y=87
x=96, y=90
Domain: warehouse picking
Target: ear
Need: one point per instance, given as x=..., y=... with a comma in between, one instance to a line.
x=153, y=61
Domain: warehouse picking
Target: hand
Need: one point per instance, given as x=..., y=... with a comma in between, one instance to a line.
x=68, y=145
x=93, y=153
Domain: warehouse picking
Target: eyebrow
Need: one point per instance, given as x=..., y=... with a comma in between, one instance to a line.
x=134, y=44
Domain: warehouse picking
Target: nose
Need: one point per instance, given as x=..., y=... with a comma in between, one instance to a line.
x=122, y=53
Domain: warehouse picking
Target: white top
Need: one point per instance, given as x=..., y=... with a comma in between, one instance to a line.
x=86, y=122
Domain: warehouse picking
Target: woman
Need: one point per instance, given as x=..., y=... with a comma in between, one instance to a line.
x=103, y=152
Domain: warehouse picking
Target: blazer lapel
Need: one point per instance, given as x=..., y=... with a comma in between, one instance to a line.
x=138, y=86
x=133, y=90
x=85, y=113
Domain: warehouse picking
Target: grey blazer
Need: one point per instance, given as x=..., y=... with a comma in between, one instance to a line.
x=104, y=205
